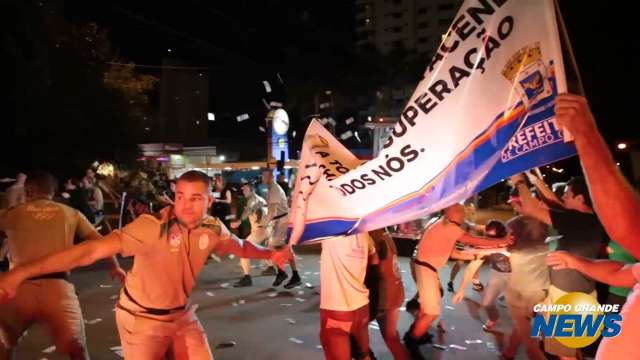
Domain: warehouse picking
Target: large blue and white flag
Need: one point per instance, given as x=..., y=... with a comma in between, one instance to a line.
x=482, y=112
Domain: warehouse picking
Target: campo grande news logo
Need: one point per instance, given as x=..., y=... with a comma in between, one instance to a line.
x=576, y=320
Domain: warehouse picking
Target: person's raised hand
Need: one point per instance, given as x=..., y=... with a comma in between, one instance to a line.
x=573, y=113
x=531, y=176
x=561, y=260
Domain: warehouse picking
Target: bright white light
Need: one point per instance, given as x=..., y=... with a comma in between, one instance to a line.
x=227, y=168
x=211, y=117
x=618, y=164
x=622, y=146
x=168, y=50
x=106, y=169
x=368, y=118
x=222, y=157
x=255, y=168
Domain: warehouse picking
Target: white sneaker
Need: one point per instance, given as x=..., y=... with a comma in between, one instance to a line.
x=489, y=325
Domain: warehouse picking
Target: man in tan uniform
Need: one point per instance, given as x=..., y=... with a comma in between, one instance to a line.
x=256, y=211
x=36, y=229
x=278, y=217
x=170, y=250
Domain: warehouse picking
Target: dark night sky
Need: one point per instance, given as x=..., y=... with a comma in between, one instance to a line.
x=203, y=32
x=244, y=41
x=239, y=42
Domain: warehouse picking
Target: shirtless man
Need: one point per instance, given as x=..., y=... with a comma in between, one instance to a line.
x=432, y=253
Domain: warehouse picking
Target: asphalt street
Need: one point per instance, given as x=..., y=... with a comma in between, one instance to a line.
x=269, y=323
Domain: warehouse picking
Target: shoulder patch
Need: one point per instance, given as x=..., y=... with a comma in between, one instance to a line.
x=212, y=223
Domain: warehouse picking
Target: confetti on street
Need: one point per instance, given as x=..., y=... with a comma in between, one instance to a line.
x=296, y=340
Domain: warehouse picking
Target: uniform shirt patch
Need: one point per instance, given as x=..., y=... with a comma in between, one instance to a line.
x=174, y=239
x=203, y=242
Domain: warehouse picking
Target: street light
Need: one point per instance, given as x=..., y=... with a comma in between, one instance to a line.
x=621, y=146
x=222, y=158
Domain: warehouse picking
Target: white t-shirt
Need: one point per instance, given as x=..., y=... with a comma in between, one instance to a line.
x=343, y=266
x=625, y=344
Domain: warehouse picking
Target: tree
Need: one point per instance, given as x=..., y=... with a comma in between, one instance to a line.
x=62, y=112
x=135, y=88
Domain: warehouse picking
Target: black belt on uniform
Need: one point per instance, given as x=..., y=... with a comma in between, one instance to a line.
x=280, y=216
x=57, y=275
x=425, y=264
x=152, y=311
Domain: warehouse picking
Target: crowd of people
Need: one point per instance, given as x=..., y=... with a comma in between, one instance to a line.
x=552, y=245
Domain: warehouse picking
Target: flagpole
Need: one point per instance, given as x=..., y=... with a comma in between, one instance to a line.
x=562, y=29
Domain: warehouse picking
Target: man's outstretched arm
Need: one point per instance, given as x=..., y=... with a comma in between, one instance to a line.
x=546, y=195
x=483, y=242
x=116, y=271
x=248, y=250
x=83, y=254
x=615, y=201
x=86, y=232
x=610, y=272
x=528, y=205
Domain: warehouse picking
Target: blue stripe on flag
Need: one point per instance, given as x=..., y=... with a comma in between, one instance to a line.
x=324, y=228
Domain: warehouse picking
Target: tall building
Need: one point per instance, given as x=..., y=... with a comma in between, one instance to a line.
x=184, y=101
x=413, y=24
